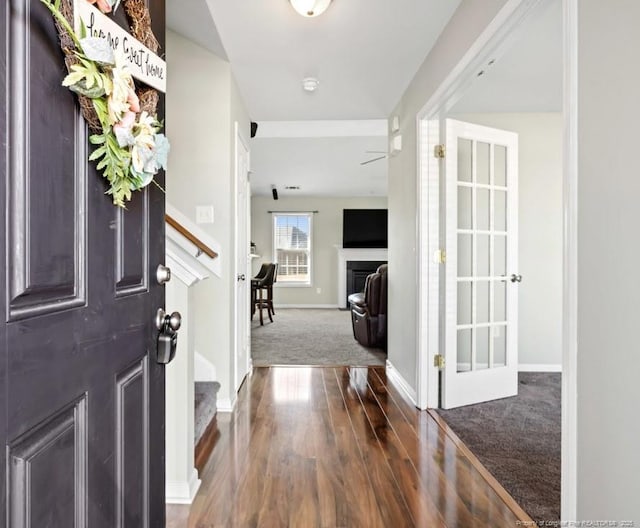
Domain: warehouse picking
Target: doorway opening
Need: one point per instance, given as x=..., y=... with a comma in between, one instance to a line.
x=319, y=216
x=498, y=328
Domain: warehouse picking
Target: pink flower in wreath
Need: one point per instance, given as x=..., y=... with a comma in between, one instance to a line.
x=133, y=100
x=127, y=121
x=103, y=5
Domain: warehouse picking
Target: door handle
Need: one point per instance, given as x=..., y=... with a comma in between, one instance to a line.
x=168, y=326
x=174, y=320
x=163, y=274
x=516, y=278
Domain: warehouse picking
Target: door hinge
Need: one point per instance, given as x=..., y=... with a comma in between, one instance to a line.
x=440, y=256
x=438, y=361
x=440, y=151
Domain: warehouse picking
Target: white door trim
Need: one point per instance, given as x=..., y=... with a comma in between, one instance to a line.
x=569, y=473
x=494, y=40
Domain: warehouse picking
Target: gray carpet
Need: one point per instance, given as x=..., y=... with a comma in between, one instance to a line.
x=518, y=441
x=205, y=402
x=309, y=337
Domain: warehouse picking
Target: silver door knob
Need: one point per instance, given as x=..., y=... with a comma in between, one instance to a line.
x=174, y=320
x=516, y=278
x=163, y=274
x=241, y=277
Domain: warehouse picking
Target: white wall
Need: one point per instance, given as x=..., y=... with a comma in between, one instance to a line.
x=202, y=105
x=608, y=256
x=540, y=223
x=327, y=233
x=467, y=23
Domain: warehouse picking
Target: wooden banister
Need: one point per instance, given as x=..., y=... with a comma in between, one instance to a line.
x=190, y=236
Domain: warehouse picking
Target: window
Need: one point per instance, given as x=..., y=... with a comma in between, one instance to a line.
x=292, y=248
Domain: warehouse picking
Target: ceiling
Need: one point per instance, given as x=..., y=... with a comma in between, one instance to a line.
x=528, y=77
x=192, y=19
x=321, y=166
x=363, y=52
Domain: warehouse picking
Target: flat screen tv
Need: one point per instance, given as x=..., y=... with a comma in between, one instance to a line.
x=364, y=228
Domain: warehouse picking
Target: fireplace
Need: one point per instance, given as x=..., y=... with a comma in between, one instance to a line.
x=371, y=257
x=357, y=273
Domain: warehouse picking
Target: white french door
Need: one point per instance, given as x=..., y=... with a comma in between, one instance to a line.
x=481, y=272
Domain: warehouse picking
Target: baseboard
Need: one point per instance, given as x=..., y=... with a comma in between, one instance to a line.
x=536, y=367
x=182, y=491
x=396, y=377
x=316, y=306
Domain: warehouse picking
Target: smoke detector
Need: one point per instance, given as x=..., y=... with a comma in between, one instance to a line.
x=310, y=84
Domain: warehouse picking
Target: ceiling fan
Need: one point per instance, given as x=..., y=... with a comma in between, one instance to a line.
x=377, y=158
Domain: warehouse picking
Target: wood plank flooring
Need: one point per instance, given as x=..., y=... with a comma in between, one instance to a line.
x=338, y=447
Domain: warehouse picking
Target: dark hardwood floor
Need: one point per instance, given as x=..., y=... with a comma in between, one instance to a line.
x=339, y=447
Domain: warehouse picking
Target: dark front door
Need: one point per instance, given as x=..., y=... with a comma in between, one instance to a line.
x=81, y=395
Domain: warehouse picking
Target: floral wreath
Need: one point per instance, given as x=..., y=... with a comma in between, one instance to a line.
x=129, y=148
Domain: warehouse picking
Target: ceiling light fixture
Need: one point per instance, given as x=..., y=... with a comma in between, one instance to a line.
x=310, y=84
x=310, y=8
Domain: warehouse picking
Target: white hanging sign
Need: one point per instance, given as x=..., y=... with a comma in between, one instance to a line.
x=144, y=64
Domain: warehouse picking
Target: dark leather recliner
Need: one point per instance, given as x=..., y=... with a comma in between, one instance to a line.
x=369, y=310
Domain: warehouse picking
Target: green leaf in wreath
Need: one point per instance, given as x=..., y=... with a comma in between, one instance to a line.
x=92, y=93
x=97, y=154
x=97, y=139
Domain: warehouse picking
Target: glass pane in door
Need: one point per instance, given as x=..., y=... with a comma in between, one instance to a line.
x=482, y=348
x=464, y=160
x=464, y=303
x=483, y=168
x=464, y=350
x=464, y=208
x=500, y=165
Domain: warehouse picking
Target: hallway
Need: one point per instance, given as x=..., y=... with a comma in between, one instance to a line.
x=338, y=447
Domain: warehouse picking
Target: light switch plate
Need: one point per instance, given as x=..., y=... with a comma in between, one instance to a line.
x=204, y=214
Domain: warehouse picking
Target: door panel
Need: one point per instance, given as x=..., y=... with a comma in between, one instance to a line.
x=83, y=397
x=243, y=262
x=47, y=261
x=480, y=316
x=132, y=247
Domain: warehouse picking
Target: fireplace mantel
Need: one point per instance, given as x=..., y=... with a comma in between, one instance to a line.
x=347, y=254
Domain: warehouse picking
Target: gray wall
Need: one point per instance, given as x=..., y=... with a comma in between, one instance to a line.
x=540, y=236
x=327, y=233
x=608, y=257
x=469, y=20
x=202, y=105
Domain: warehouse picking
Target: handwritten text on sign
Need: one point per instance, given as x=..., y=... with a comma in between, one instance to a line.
x=144, y=64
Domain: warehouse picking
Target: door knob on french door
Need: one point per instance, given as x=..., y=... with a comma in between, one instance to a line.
x=163, y=274
x=516, y=278
x=241, y=277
